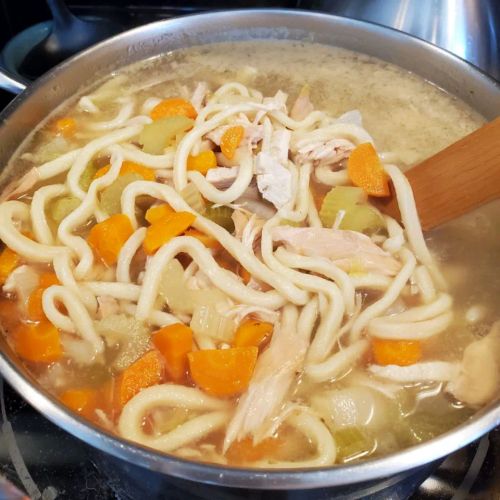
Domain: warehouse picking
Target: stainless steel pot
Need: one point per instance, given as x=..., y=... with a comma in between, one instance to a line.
x=38, y=100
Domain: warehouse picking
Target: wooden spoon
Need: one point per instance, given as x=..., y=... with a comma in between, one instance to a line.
x=456, y=180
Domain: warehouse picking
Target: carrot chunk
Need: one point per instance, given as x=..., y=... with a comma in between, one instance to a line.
x=174, y=342
x=34, y=304
x=230, y=140
x=173, y=106
x=38, y=342
x=396, y=352
x=252, y=332
x=80, y=400
x=245, y=451
x=129, y=167
x=144, y=372
x=207, y=240
x=365, y=170
x=158, y=212
x=244, y=275
x=202, y=162
x=223, y=372
x=65, y=126
x=108, y=237
x=163, y=230
x=9, y=260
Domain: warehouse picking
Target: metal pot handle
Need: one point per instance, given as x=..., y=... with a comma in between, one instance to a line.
x=11, y=83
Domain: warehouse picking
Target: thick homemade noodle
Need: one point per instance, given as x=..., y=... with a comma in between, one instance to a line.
x=318, y=331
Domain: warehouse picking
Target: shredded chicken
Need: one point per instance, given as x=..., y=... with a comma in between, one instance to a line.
x=222, y=177
x=438, y=371
x=347, y=249
x=19, y=186
x=302, y=106
x=478, y=381
x=198, y=97
x=273, y=376
x=329, y=152
x=274, y=181
x=22, y=282
x=106, y=306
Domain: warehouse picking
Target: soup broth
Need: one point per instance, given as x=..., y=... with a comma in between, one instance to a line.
x=193, y=263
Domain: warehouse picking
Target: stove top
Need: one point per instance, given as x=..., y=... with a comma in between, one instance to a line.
x=44, y=462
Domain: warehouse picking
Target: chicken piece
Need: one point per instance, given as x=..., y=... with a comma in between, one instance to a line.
x=274, y=181
x=280, y=144
x=253, y=134
x=20, y=186
x=273, y=376
x=22, y=282
x=478, y=381
x=248, y=228
x=106, y=306
x=222, y=177
x=323, y=153
x=347, y=249
x=302, y=106
x=277, y=102
x=353, y=117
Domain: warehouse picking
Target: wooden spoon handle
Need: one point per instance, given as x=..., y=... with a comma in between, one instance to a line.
x=456, y=180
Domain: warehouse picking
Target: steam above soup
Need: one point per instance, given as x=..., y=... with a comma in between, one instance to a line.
x=193, y=260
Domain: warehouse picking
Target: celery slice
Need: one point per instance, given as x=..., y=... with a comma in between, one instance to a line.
x=62, y=207
x=111, y=196
x=88, y=175
x=221, y=216
x=352, y=443
x=362, y=218
x=193, y=198
x=156, y=136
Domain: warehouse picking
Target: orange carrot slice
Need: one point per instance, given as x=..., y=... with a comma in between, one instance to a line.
x=223, y=372
x=34, y=304
x=230, y=140
x=173, y=106
x=163, y=230
x=65, y=126
x=80, y=400
x=144, y=372
x=365, y=170
x=9, y=260
x=158, y=212
x=244, y=451
x=108, y=237
x=396, y=352
x=202, y=162
x=207, y=240
x=252, y=332
x=129, y=167
x=38, y=342
x=174, y=342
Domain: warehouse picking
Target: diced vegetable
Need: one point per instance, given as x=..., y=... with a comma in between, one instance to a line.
x=193, y=198
x=128, y=167
x=365, y=170
x=156, y=136
x=110, y=200
x=34, y=304
x=108, y=237
x=244, y=451
x=80, y=400
x=174, y=342
x=158, y=212
x=65, y=126
x=88, y=175
x=202, y=162
x=174, y=106
x=206, y=239
x=9, y=260
x=173, y=288
x=244, y=274
x=163, y=230
x=222, y=216
x=230, y=141
x=352, y=443
x=396, y=352
x=358, y=215
x=38, y=342
x=125, y=335
x=62, y=207
x=223, y=372
x=208, y=317
x=252, y=332
x=144, y=372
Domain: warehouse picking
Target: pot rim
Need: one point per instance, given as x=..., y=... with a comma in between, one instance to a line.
x=398, y=462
